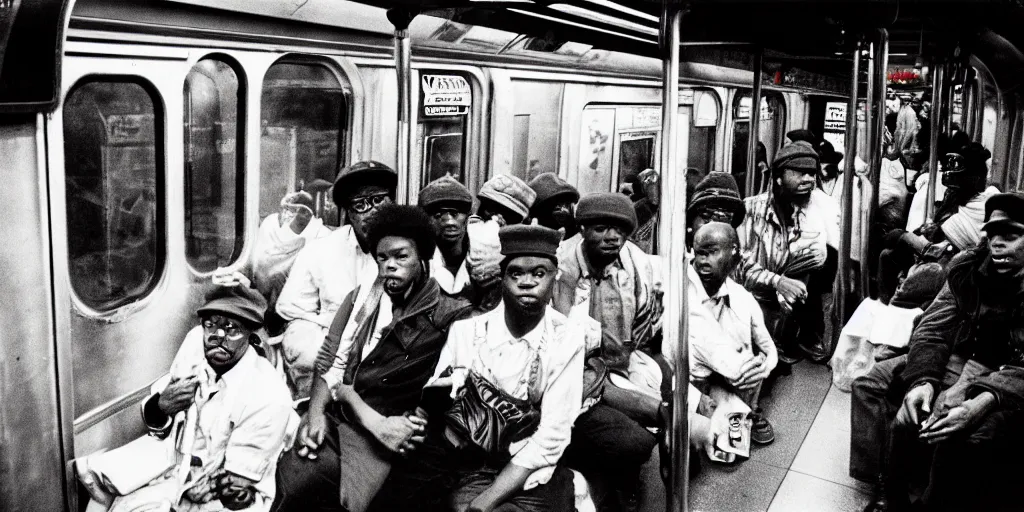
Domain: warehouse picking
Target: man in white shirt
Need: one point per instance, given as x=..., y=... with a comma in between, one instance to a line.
x=223, y=415
x=448, y=203
x=326, y=270
x=534, y=353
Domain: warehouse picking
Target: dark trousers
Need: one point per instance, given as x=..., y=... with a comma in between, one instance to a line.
x=891, y=263
x=554, y=496
x=871, y=413
x=609, y=449
x=310, y=485
x=975, y=470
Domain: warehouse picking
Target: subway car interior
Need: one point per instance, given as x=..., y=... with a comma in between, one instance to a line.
x=143, y=143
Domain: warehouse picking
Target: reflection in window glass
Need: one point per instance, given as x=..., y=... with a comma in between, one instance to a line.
x=213, y=179
x=304, y=117
x=770, y=128
x=635, y=155
x=113, y=181
x=443, y=148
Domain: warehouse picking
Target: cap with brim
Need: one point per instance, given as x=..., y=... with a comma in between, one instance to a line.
x=368, y=171
x=529, y=240
x=718, y=190
x=549, y=188
x=240, y=302
x=446, y=191
x=802, y=135
x=510, y=192
x=798, y=155
x=1005, y=209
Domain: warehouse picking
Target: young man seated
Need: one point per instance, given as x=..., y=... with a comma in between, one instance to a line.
x=729, y=344
x=534, y=354
x=217, y=425
x=961, y=440
x=381, y=348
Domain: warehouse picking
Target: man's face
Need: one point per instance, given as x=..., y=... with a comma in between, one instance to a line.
x=295, y=216
x=449, y=223
x=361, y=206
x=528, y=283
x=225, y=340
x=892, y=105
x=714, y=256
x=398, y=264
x=1006, y=248
x=604, y=240
x=797, y=184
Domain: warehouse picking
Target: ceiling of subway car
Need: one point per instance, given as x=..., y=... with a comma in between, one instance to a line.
x=813, y=35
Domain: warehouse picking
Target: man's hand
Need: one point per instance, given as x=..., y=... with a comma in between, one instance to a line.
x=178, y=395
x=959, y=419
x=916, y=403
x=792, y=291
x=224, y=277
x=312, y=430
x=480, y=504
x=235, y=492
x=395, y=431
x=752, y=373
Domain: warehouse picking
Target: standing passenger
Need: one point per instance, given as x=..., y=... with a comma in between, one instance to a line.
x=383, y=344
x=328, y=269
x=533, y=353
x=448, y=203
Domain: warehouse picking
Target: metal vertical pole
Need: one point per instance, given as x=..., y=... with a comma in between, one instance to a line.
x=755, y=126
x=938, y=77
x=845, y=227
x=401, y=18
x=875, y=126
x=672, y=212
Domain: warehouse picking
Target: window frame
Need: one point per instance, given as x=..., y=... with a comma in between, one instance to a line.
x=241, y=174
x=160, y=225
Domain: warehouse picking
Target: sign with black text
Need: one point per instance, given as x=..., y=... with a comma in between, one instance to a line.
x=446, y=95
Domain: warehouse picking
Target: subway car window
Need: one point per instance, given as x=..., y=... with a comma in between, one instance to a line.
x=770, y=130
x=214, y=180
x=446, y=100
x=114, y=186
x=304, y=119
x=703, y=130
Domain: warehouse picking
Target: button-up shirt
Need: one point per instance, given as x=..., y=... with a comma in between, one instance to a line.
x=770, y=241
x=450, y=283
x=484, y=344
x=723, y=329
x=239, y=421
x=323, y=274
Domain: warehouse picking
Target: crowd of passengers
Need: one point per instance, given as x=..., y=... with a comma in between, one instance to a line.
x=441, y=357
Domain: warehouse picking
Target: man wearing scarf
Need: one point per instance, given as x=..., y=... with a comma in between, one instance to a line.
x=612, y=281
x=448, y=203
x=382, y=347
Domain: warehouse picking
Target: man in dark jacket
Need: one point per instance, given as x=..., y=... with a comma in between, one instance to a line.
x=975, y=327
x=382, y=347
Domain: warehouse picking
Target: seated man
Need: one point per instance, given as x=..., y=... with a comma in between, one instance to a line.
x=974, y=330
x=612, y=281
x=382, y=347
x=533, y=353
x=729, y=344
x=554, y=208
x=326, y=270
x=224, y=414
x=448, y=203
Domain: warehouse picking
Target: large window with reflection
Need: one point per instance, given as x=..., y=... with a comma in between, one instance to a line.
x=214, y=180
x=772, y=124
x=304, y=127
x=446, y=100
x=113, y=159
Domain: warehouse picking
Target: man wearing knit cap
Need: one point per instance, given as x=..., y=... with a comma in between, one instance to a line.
x=448, y=203
x=532, y=352
x=612, y=281
x=326, y=270
x=555, y=208
x=791, y=232
x=715, y=199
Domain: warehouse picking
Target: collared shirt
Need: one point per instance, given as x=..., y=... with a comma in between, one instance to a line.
x=723, y=329
x=485, y=345
x=323, y=274
x=383, y=319
x=450, y=283
x=241, y=420
x=770, y=241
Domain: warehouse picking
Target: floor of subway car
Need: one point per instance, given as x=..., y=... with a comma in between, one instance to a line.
x=805, y=469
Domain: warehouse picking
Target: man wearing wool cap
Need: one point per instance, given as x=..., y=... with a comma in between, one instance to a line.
x=555, y=208
x=611, y=280
x=448, y=203
x=790, y=237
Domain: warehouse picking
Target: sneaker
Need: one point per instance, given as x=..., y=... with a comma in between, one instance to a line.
x=762, y=431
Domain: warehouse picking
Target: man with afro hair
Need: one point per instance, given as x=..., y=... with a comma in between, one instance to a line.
x=362, y=426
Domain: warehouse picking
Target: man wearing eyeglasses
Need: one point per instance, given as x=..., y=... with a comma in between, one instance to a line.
x=326, y=270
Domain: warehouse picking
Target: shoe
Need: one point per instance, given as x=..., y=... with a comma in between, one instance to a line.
x=761, y=432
